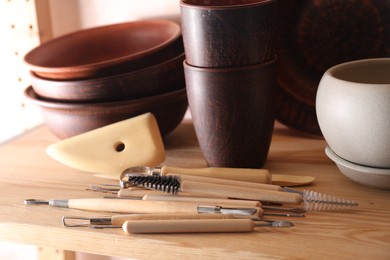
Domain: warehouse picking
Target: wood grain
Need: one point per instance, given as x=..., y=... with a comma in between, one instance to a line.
x=27, y=172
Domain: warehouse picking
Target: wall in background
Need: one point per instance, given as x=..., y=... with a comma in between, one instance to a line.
x=19, y=33
x=75, y=14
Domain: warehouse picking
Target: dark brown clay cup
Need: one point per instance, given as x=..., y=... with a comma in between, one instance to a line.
x=222, y=33
x=233, y=112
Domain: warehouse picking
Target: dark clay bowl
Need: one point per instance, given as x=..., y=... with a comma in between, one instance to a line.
x=67, y=119
x=105, y=50
x=158, y=79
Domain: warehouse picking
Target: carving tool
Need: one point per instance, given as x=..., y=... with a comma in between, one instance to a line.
x=173, y=185
x=138, y=223
x=119, y=220
x=143, y=206
x=246, y=184
x=133, y=192
x=313, y=201
x=197, y=226
x=146, y=194
x=294, y=212
x=239, y=174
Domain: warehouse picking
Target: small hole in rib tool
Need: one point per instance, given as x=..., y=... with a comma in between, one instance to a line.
x=120, y=147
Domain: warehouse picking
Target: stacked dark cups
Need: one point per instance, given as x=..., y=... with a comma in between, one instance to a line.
x=230, y=74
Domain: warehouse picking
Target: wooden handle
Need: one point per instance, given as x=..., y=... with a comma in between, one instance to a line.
x=188, y=226
x=137, y=193
x=241, y=193
x=246, y=184
x=121, y=219
x=291, y=180
x=240, y=174
x=216, y=201
x=140, y=193
x=133, y=206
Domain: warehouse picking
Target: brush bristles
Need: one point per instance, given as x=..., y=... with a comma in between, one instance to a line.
x=315, y=201
x=169, y=184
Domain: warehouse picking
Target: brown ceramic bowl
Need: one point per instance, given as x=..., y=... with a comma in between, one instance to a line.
x=67, y=119
x=158, y=79
x=105, y=50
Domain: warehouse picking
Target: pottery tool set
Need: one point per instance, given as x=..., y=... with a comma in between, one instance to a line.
x=168, y=199
x=149, y=200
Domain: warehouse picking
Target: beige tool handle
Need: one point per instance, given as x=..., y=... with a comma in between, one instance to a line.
x=120, y=219
x=216, y=201
x=139, y=193
x=255, y=185
x=133, y=206
x=188, y=226
x=291, y=180
x=240, y=174
x=241, y=192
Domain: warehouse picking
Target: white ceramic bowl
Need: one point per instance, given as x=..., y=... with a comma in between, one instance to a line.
x=371, y=177
x=353, y=111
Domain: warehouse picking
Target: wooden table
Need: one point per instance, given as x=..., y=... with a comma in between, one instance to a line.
x=26, y=171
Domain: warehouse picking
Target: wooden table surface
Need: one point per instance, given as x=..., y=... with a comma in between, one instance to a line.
x=26, y=171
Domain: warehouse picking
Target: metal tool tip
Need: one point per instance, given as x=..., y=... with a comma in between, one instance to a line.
x=282, y=223
x=35, y=202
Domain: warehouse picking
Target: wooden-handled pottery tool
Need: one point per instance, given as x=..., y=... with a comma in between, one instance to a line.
x=239, y=174
x=173, y=185
x=197, y=226
x=143, y=206
x=119, y=220
x=313, y=201
x=172, y=223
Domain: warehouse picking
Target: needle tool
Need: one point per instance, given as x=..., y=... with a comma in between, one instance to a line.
x=143, y=206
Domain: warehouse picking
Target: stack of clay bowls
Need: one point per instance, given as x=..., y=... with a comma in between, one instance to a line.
x=98, y=76
x=230, y=78
x=353, y=109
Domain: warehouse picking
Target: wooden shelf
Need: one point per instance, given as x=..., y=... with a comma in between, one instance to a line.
x=26, y=171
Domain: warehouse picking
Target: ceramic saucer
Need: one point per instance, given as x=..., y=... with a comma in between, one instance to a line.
x=378, y=178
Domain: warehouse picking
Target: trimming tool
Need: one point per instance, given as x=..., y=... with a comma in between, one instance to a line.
x=313, y=201
x=143, y=206
x=173, y=223
x=239, y=174
x=198, y=225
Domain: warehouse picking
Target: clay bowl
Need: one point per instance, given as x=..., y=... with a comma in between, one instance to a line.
x=67, y=119
x=158, y=79
x=105, y=50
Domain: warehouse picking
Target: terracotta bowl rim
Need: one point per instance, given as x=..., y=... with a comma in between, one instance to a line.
x=109, y=77
x=31, y=96
x=222, y=7
x=109, y=62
